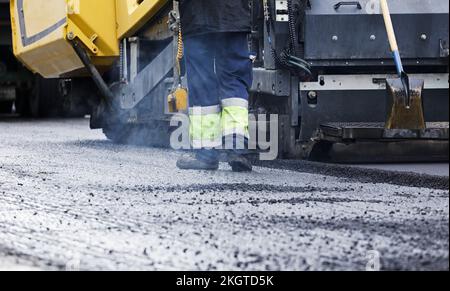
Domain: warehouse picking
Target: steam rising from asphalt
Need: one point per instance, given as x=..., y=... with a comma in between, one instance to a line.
x=264, y=135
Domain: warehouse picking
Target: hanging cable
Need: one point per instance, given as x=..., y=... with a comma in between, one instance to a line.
x=286, y=58
x=293, y=36
x=180, y=50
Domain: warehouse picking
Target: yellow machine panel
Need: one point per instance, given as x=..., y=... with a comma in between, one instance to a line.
x=132, y=14
x=43, y=29
x=40, y=42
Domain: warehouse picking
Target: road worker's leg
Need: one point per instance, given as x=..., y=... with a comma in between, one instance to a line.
x=204, y=103
x=234, y=73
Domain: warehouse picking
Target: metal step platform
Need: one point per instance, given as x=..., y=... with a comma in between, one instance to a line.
x=373, y=143
x=363, y=131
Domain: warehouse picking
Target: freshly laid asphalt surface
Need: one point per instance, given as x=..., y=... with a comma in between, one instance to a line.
x=70, y=199
x=429, y=169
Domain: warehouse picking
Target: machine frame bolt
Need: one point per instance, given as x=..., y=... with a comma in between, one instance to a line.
x=312, y=95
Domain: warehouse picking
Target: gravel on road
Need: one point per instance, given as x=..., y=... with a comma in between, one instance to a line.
x=70, y=199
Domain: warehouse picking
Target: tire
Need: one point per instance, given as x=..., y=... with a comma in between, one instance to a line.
x=44, y=98
x=116, y=133
x=6, y=107
x=22, y=102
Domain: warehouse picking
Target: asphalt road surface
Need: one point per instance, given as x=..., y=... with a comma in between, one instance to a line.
x=70, y=199
x=441, y=169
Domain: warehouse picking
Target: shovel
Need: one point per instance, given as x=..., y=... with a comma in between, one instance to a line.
x=405, y=94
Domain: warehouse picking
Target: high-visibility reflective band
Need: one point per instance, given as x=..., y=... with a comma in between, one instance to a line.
x=205, y=130
x=204, y=110
x=204, y=144
x=235, y=120
x=238, y=102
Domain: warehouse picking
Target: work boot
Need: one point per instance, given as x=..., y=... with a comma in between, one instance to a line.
x=238, y=162
x=198, y=162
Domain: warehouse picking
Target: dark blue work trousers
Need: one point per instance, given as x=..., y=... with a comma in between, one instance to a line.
x=218, y=67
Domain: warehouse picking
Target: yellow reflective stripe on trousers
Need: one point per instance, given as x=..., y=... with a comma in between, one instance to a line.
x=235, y=120
x=205, y=129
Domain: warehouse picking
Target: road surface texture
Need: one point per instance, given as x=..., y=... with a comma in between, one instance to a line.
x=430, y=169
x=70, y=199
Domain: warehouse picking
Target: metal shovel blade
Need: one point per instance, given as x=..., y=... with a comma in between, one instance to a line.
x=405, y=107
x=406, y=85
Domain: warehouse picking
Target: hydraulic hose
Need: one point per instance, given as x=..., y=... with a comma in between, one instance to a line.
x=293, y=36
x=299, y=60
x=287, y=57
x=96, y=76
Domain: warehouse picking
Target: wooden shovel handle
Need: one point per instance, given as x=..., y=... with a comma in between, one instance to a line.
x=389, y=25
